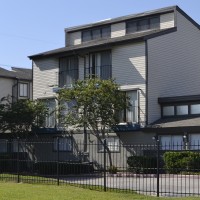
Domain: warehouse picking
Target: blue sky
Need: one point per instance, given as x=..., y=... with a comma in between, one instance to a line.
x=33, y=26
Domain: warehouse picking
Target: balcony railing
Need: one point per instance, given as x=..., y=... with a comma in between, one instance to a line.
x=103, y=72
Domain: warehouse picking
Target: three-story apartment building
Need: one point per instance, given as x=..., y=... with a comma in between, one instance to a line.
x=153, y=56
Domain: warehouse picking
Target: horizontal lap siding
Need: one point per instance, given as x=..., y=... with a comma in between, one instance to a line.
x=167, y=20
x=45, y=74
x=74, y=38
x=174, y=65
x=129, y=70
x=118, y=30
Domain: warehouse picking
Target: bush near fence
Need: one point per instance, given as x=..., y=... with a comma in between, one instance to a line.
x=142, y=164
x=50, y=168
x=177, y=162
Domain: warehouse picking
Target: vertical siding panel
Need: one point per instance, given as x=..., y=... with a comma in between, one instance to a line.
x=118, y=30
x=173, y=65
x=45, y=74
x=167, y=20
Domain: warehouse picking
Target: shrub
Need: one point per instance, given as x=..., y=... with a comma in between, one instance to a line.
x=142, y=164
x=187, y=161
x=50, y=168
x=112, y=169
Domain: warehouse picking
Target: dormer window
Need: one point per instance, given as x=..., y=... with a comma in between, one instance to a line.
x=96, y=33
x=133, y=26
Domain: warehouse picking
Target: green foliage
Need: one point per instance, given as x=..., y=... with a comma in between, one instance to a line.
x=19, y=117
x=112, y=169
x=50, y=168
x=187, y=161
x=142, y=164
x=95, y=104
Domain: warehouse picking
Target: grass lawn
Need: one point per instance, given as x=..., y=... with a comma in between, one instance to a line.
x=21, y=191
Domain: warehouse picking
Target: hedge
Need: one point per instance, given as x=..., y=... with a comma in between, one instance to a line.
x=187, y=161
x=50, y=168
x=142, y=164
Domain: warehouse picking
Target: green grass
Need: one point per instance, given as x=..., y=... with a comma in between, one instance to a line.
x=21, y=191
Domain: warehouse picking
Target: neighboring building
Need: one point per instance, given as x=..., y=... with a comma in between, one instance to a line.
x=154, y=57
x=16, y=83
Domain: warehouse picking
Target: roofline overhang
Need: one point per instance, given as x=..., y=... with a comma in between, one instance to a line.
x=92, y=46
x=122, y=19
x=172, y=130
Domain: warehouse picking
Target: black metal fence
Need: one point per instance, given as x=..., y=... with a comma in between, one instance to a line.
x=162, y=170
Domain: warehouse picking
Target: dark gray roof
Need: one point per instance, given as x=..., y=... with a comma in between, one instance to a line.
x=19, y=73
x=140, y=36
x=123, y=18
x=189, y=121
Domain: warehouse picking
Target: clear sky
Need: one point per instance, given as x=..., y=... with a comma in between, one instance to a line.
x=33, y=26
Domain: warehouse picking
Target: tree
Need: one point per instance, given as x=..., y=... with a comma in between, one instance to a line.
x=21, y=116
x=94, y=104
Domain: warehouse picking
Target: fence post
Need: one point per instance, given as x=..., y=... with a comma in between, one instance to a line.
x=158, y=166
x=18, y=177
x=104, y=168
x=58, y=150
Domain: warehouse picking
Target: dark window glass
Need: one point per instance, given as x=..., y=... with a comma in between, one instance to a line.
x=143, y=25
x=105, y=31
x=68, y=73
x=131, y=27
x=86, y=36
x=96, y=34
x=154, y=23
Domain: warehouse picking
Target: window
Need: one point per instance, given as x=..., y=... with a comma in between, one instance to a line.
x=3, y=145
x=99, y=66
x=50, y=120
x=96, y=33
x=112, y=143
x=142, y=24
x=195, y=109
x=195, y=141
x=68, y=71
x=131, y=114
x=15, y=146
x=171, y=142
x=23, y=89
x=182, y=110
x=168, y=111
x=65, y=144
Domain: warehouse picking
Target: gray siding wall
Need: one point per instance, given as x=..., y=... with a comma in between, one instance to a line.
x=6, y=87
x=129, y=70
x=167, y=20
x=45, y=74
x=74, y=38
x=118, y=30
x=174, y=65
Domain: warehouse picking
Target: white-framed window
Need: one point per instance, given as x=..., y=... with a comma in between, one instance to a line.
x=50, y=120
x=68, y=71
x=65, y=144
x=131, y=114
x=171, y=142
x=23, y=89
x=99, y=65
x=112, y=143
x=3, y=145
x=195, y=141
